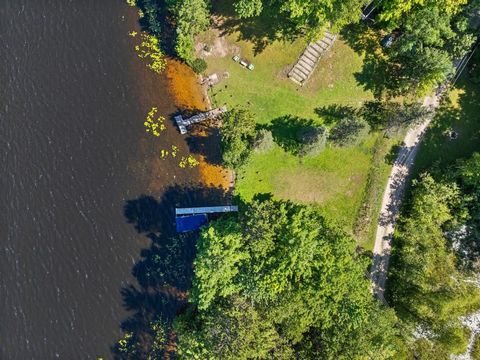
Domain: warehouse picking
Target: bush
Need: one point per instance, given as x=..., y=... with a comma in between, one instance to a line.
x=349, y=131
x=313, y=140
x=199, y=65
x=263, y=141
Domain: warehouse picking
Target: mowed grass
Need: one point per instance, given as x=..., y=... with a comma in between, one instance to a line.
x=267, y=91
x=339, y=180
x=460, y=113
x=333, y=180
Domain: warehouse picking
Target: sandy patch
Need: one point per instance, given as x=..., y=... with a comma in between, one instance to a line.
x=313, y=186
x=217, y=45
x=215, y=175
x=185, y=87
x=307, y=186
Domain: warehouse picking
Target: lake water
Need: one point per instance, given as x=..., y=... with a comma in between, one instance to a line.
x=73, y=150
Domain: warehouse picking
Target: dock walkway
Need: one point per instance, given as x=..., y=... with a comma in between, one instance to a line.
x=205, y=210
x=184, y=123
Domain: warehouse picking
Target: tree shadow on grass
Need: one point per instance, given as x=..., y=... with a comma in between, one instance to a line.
x=376, y=72
x=285, y=131
x=164, y=271
x=437, y=146
x=261, y=30
x=392, y=155
x=334, y=113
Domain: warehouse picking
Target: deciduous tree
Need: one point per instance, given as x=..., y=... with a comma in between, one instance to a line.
x=237, y=135
x=305, y=16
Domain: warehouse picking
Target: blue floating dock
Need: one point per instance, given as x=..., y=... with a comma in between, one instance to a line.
x=189, y=219
x=190, y=223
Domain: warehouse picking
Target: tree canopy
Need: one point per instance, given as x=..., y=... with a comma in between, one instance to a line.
x=237, y=136
x=423, y=56
x=304, y=16
x=279, y=279
x=349, y=131
x=393, y=11
x=428, y=284
x=192, y=17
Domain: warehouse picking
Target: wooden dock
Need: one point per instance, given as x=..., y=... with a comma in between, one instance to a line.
x=184, y=123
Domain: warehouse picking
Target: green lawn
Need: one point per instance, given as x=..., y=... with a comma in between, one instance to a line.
x=340, y=181
x=270, y=94
x=460, y=113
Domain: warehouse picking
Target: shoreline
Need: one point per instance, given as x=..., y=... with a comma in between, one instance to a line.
x=189, y=95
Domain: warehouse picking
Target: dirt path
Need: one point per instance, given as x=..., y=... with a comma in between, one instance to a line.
x=392, y=199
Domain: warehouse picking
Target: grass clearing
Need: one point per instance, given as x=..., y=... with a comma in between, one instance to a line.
x=345, y=183
x=268, y=92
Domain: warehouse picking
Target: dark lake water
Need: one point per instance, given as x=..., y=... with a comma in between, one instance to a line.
x=73, y=150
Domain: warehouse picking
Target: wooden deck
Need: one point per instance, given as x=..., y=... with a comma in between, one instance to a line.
x=184, y=123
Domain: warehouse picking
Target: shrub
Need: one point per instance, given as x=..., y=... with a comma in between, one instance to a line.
x=199, y=65
x=313, y=140
x=349, y=131
x=263, y=141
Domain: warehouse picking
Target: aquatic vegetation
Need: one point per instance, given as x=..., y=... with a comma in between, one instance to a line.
x=164, y=154
x=154, y=124
x=132, y=33
x=188, y=160
x=174, y=151
x=149, y=49
x=131, y=2
x=124, y=344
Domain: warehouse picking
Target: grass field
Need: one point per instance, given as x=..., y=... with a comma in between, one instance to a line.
x=461, y=113
x=345, y=183
x=268, y=93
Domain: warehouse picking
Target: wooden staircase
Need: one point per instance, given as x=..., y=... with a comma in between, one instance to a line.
x=308, y=61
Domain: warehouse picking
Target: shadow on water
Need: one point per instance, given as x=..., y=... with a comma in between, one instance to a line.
x=157, y=20
x=164, y=272
x=204, y=139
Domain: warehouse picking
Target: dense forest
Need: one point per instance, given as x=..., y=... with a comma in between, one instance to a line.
x=278, y=280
